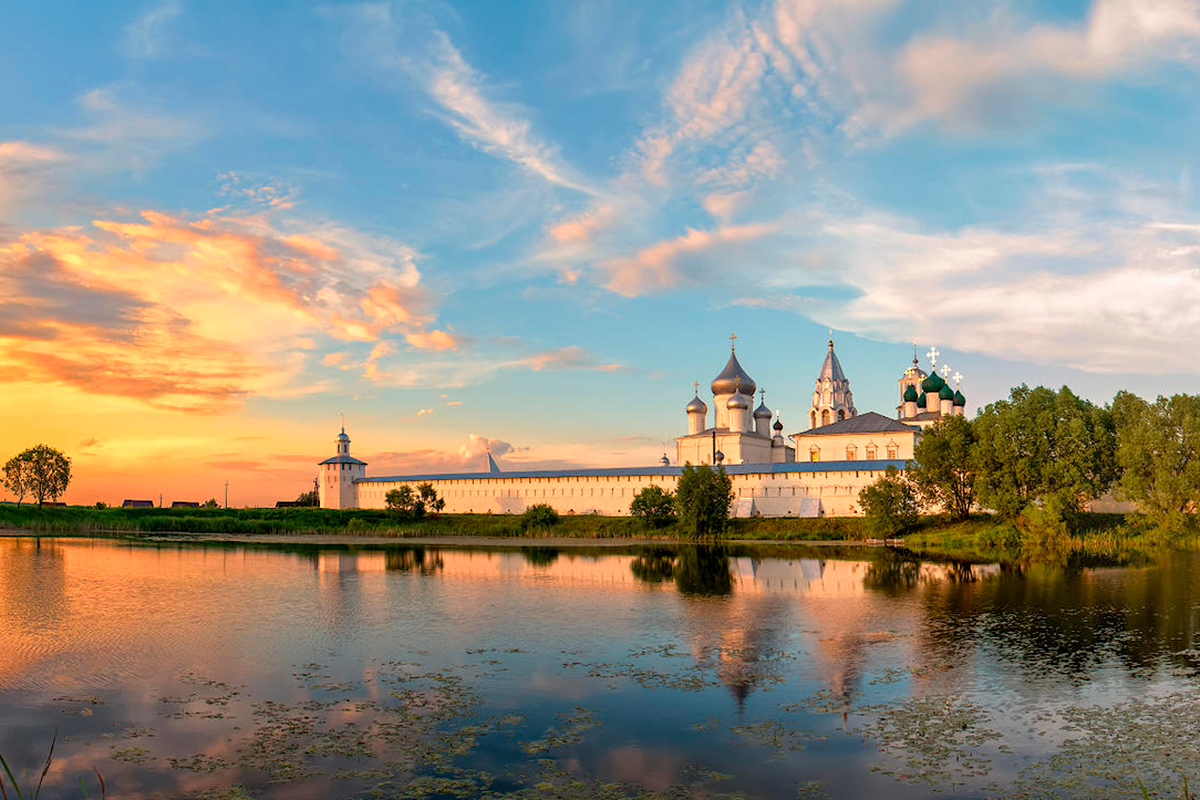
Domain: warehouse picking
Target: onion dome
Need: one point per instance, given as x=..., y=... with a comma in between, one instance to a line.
x=959, y=400
x=342, y=437
x=738, y=400
x=697, y=406
x=666, y=462
x=946, y=393
x=732, y=378
x=910, y=394
x=762, y=412
x=921, y=400
x=933, y=383
x=778, y=426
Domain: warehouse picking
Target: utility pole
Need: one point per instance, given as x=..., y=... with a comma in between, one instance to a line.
x=226, y=494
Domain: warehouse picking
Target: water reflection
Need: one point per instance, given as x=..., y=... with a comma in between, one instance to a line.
x=555, y=656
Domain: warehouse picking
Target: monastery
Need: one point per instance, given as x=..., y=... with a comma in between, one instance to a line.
x=816, y=472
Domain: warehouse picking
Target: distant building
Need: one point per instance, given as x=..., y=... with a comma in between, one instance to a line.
x=815, y=472
x=137, y=504
x=184, y=504
x=286, y=504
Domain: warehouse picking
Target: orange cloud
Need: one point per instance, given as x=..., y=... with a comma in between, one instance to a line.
x=197, y=314
x=433, y=340
x=583, y=227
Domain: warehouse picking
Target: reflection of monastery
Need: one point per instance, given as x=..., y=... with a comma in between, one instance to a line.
x=816, y=472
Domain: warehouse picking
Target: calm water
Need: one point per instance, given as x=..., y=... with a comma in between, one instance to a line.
x=302, y=672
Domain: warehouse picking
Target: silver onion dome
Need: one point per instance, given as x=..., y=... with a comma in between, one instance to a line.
x=733, y=377
x=697, y=406
x=738, y=400
x=762, y=412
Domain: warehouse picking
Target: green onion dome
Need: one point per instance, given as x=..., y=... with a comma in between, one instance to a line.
x=910, y=394
x=946, y=392
x=959, y=400
x=933, y=383
x=921, y=400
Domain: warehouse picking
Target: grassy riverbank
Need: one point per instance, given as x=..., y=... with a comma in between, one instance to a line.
x=370, y=522
x=981, y=537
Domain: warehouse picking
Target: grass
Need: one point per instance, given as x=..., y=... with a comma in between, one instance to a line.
x=16, y=787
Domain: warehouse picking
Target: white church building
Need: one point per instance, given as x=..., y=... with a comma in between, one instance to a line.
x=815, y=472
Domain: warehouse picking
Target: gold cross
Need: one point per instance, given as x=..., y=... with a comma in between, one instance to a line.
x=732, y=340
x=697, y=385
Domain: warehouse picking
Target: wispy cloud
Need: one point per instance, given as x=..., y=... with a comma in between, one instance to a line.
x=146, y=36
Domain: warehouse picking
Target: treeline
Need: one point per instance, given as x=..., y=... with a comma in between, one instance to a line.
x=1039, y=457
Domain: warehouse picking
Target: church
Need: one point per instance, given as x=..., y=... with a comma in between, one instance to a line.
x=818, y=471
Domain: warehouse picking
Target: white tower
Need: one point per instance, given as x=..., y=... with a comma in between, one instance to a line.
x=727, y=384
x=338, y=474
x=832, y=400
x=697, y=412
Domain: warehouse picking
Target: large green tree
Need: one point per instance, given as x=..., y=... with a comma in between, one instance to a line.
x=702, y=501
x=889, y=504
x=653, y=505
x=16, y=477
x=1158, y=452
x=1045, y=448
x=943, y=466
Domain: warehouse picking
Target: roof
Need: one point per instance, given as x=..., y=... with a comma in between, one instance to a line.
x=138, y=504
x=723, y=432
x=733, y=378
x=184, y=504
x=870, y=422
x=342, y=459
x=878, y=465
x=832, y=368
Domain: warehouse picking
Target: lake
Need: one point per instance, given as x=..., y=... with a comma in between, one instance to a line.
x=299, y=671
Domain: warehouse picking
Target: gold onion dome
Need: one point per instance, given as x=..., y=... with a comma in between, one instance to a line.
x=732, y=378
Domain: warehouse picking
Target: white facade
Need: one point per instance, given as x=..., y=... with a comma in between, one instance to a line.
x=337, y=480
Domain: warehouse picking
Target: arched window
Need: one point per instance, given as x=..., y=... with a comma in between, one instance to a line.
x=893, y=451
x=851, y=453
x=841, y=414
x=812, y=419
x=826, y=417
x=814, y=454
x=871, y=452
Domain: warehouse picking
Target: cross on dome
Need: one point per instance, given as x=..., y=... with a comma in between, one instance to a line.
x=697, y=385
x=733, y=341
x=957, y=379
x=933, y=356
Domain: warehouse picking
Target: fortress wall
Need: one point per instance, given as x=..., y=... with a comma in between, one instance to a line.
x=774, y=494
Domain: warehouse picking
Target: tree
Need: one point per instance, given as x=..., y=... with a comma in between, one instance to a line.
x=40, y=471
x=209, y=503
x=404, y=502
x=16, y=477
x=309, y=498
x=702, y=501
x=653, y=505
x=539, y=516
x=943, y=467
x=1158, y=452
x=889, y=505
x=1044, y=452
x=429, y=498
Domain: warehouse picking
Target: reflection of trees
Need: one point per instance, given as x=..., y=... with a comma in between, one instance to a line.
x=414, y=559
x=654, y=565
x=892, y=570
x=703, y=570
x=540, y=556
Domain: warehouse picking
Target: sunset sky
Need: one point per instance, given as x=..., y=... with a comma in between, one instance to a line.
x=536, y=224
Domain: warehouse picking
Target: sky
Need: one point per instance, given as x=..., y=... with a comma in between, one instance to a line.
x=531, y=226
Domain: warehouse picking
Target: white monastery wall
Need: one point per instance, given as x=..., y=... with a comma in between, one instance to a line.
x=775, y=494
x=855, y=446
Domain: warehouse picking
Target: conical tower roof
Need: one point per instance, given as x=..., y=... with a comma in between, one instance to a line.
x=832, y=368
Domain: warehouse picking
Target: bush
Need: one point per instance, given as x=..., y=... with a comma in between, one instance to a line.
x=702, y=502
x=539, y=516
x=654, y=506
x=889, y=505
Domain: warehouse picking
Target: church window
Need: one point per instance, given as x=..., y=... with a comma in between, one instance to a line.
x=851, y=453
x=814, y=454
x=841, y=414
x=871, y=452
x=826, y=417
x=893, y=451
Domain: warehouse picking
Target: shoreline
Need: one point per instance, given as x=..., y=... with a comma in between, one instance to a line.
x=465, y=540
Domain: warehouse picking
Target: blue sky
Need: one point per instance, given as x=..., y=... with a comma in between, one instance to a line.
x=254, y=217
